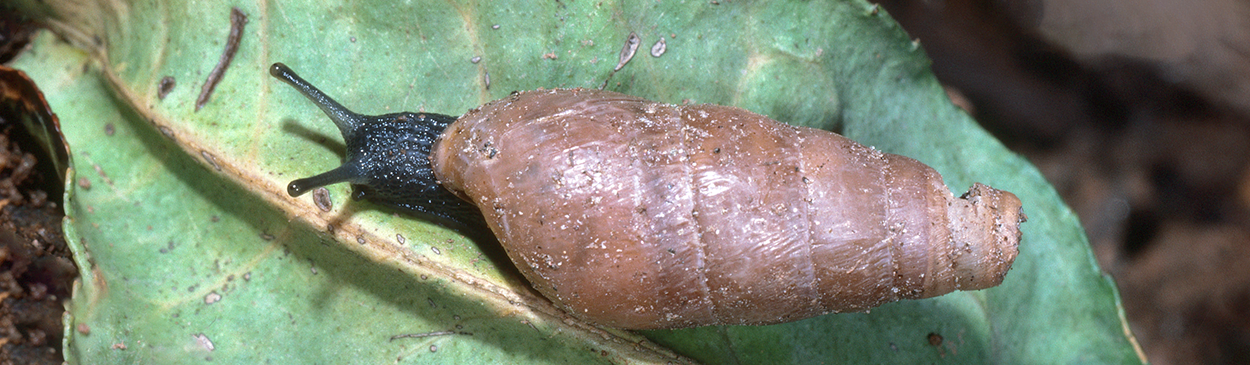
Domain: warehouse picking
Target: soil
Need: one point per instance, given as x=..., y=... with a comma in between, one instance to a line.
x=36, y=268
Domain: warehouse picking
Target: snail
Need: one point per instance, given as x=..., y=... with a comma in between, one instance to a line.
x=641, y=215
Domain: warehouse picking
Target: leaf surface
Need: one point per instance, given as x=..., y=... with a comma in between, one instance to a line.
x=186, y=236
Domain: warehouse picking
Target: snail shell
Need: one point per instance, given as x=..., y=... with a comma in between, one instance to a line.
x=636, y=214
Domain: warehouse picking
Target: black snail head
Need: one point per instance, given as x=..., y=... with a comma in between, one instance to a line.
x=388, y=157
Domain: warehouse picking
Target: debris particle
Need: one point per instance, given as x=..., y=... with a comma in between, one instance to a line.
x=212, y=297
x=163, y=88
x=83, y=329
x=237, y=21
x=420, y=335
x=400, y=238
x=84, y=183
x=360, y=239
x=550, y=56
x=321, y=197
x=658, y=49
x=212, y=161
x=627, y=51
x=204, y=342
x=935, y=339
x=119, y=346
x=475, y=59
x=496, y=26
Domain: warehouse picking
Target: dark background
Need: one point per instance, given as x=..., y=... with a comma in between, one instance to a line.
x=1138, y=112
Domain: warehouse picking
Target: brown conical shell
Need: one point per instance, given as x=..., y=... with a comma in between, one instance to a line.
x=636, y=214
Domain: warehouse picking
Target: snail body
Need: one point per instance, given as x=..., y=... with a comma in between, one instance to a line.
x=641, y=215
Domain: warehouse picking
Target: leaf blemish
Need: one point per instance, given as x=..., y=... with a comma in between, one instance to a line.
x=237, y=21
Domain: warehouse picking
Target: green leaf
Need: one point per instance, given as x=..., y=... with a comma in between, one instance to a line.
x=186, y=235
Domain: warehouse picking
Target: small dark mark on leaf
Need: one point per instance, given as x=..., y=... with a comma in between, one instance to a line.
x=237, y=21
x=165, y=86
x=420, y=335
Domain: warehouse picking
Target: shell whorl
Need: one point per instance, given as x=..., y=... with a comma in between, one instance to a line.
x=638, y=214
